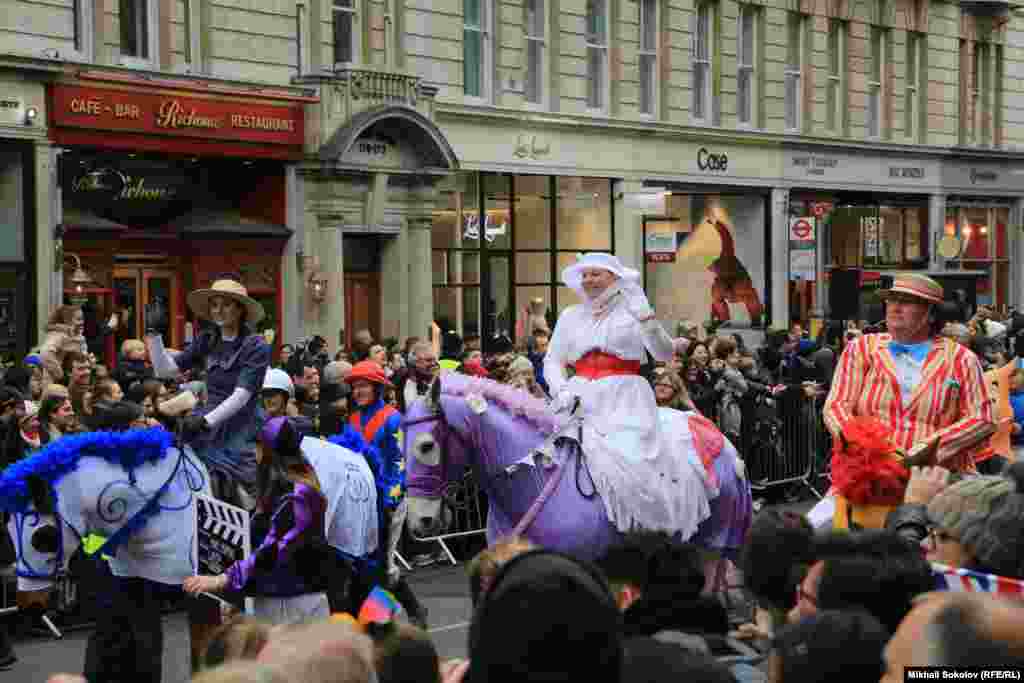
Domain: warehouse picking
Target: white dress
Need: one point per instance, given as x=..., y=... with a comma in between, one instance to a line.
x=644, y=480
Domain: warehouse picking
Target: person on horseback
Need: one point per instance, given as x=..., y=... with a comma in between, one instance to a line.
x=605, y=339
x=379, y=424
x=236, y=359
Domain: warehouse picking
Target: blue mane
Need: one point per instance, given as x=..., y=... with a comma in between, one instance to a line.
x=129, y=449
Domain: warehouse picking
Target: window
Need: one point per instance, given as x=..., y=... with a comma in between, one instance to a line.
x=476, y=18
x=835, y=101
x=346, y=32
x=746, y=40
x=137, y=22
x=83, y=29
x=979, y=98
x=536, y=32
x=702, y=50
x=876, y=82
x=913, y=104
x=302, y=38
x=597, y=54
x=982, y=234
x=648, y=56
x=794, y=71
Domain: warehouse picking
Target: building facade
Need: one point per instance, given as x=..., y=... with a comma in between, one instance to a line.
x=458, y=153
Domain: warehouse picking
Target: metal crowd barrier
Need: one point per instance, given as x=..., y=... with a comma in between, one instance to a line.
x=784, y=441
x=465, y=505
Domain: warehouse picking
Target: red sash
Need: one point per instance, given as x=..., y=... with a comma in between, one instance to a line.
x=375, y=423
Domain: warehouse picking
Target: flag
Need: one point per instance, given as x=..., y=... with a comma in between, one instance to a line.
x=967, y=581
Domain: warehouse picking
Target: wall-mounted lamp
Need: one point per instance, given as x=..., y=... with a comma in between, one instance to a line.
x=80, y=280
x=30, y=116
x=317, y=286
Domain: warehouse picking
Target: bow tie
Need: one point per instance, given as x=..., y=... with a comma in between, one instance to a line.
x=916, y=351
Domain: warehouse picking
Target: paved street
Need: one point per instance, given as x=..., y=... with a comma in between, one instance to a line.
x=443, y=589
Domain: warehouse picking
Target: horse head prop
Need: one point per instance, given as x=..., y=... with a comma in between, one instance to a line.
x=109, y=483
x=536, y=485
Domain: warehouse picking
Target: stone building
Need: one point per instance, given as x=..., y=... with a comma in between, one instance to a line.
x=455, y=154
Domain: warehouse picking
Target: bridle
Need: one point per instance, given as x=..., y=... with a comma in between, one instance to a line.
x=442, y=467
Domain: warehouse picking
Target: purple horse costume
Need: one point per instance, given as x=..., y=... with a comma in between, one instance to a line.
x=534, y=471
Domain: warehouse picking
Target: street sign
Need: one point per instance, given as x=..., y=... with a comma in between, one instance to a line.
x=801, y=229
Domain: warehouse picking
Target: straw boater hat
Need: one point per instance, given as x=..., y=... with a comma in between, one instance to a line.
x=572, y=275
x=915, y=285
x=199, y=300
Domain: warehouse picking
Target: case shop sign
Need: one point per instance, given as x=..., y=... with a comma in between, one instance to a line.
x=174, y=115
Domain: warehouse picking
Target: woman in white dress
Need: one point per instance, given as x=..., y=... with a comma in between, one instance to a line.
x=643, y=481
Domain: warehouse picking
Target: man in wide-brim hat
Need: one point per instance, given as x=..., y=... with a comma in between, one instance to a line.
x=928, y=390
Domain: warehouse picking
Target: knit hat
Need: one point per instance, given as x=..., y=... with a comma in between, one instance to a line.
x=546, y=617
x=986, y=514
x=832, y=645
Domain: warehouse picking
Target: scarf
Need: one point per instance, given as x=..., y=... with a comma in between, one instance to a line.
x=603, y=304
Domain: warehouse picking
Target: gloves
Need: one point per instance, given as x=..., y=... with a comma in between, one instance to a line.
x=156, y=317
x=192, y=426
x=638, y=306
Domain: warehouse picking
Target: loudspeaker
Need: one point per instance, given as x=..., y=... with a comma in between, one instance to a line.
x=844, y=294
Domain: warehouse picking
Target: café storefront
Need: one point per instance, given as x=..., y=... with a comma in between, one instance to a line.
x=165, y=186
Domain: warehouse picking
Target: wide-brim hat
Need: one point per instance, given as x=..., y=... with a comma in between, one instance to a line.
x=368, y=371
x=572, y=275
x=199, y=300
x=915, y=285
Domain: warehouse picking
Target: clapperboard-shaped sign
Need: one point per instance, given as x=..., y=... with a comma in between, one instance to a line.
x=221, y=537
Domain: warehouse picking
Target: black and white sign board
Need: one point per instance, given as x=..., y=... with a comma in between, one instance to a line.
x=221, y=535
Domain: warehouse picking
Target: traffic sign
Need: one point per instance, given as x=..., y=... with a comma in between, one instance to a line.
x=801, y=229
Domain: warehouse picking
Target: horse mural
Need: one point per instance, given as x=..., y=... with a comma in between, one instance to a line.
x=533, y=470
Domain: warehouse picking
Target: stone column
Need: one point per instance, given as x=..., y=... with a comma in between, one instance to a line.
x=779, y=266
x=394, y=286
x=292, y=309
x=330, y=255
x=49, y=284
x=936, y=228
x=628, y=214
x=421, y=291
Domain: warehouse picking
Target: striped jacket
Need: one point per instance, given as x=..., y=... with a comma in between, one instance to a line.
x=952, y=401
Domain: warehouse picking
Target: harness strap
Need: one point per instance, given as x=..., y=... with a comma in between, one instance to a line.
x=375, y=423
x=549, y=488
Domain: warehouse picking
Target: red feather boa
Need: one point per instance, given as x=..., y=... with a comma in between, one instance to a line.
x=866, y=468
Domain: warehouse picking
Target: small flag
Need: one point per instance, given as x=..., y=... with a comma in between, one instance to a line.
x=380, y=607
x=967, y=581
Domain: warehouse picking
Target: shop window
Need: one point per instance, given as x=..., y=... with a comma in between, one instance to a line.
x=137, y=22
x=878, y=236
x=596, y=39
x=747, y=48
x=476, y=44
x=835, y=99
x=703, y=50
x=980, y=235
x=794, y=72
x=536, y=50
x=648, y=56
x=345, y=22
x=877, y=69
x=536, y=227
x=584, y=214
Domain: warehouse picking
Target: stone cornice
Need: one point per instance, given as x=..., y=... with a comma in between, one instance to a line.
x=554, y=121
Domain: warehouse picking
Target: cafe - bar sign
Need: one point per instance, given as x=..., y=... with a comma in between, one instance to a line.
x=174, y=115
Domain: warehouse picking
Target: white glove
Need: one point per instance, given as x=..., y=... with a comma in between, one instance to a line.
x=638, y=306
x=564, y=402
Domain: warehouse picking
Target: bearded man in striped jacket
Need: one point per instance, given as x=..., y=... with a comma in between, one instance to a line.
x=929, y=390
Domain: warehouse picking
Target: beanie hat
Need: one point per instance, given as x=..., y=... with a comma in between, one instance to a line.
x=546, y=617
x=986, y=514
x=832, y=645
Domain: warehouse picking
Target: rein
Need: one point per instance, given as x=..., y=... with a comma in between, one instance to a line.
x=536, y=506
